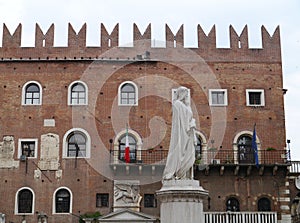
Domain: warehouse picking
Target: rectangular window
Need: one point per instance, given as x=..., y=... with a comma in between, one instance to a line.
x=27, y=148
x=150, y=201
x=218, y=97
x=102, y=200
x=255, y=97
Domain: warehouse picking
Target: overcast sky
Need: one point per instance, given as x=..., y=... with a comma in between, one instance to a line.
x=222, y=13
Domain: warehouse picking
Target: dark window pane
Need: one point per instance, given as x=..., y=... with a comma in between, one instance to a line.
x=76, y=145
x=255, y=98
x=28, y=148
x=149, y=201
x=245, y=151
x=102, y=200
x=264, y=204
x=232, y=204
x=62, y=201
x=198, y=148
x=25, y=198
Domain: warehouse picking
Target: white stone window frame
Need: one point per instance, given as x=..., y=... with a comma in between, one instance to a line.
x=23, y=102
x=69, y=102
x=35, y=140
x=262, y=97
x=139, y=144
x=17, y=201
x=54, y=201
x=211, y=91
x=65, y=143
x=136, y=93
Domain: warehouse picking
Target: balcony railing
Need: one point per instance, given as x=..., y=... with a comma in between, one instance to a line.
x=151, y=156
x=240, y=217
x=295, y=167
x=207, y=157
x=265, y=157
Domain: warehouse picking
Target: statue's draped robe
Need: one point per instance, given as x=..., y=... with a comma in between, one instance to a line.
x=181, y=156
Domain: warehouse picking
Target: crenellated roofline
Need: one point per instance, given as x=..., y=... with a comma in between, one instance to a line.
x=76, y=48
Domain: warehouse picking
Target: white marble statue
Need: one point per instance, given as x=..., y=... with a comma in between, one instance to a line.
x=181, y=156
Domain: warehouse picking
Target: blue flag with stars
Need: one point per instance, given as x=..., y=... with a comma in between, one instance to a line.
x=254, y=147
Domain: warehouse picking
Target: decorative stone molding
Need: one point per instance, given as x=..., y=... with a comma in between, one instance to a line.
x=127, y=195
x=49, y=152
x=7, y=150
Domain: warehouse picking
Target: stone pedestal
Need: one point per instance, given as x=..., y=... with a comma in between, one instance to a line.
x=181, y=201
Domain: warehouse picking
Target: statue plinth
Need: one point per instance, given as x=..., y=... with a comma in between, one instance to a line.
x=181, y=201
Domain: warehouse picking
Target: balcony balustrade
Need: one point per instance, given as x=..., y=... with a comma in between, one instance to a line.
x=208, y=157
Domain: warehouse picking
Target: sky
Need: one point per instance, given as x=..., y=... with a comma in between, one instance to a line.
x=190, y=13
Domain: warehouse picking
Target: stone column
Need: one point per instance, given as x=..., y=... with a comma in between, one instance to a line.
x=181, y=201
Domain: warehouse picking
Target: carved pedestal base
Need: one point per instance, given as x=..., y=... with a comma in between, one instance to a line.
x=181, y=201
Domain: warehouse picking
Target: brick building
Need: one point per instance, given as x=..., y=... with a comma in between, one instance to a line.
x=65, y=110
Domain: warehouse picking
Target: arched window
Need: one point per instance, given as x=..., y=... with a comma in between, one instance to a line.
x=245, y=151
x=32, y=94
x=264, y=204
x=24, y=201
x=62, y=201
x=76, y=144
x=128, y=94
x=132, y=148
x=77, y=93
x=198, y=147
x=232, y=204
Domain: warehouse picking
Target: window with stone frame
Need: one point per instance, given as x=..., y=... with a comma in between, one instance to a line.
x=150, y=201
x=78, y=94
x=132, y=148
x=27, y=148
x=102, y=200
x=62, y=201
x=25, y=201
x=245, y=150
x=76, y=144
x=255, y=97
x=218, y=97
x=32, y=94
x=128, y=94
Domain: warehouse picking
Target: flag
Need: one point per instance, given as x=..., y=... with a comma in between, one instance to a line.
x=254, y=147
x=127, y=149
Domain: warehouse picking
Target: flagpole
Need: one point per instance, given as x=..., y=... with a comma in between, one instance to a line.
x=254, y=146
x=127, y=148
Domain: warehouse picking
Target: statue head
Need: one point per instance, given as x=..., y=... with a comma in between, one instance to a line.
x=182, y=93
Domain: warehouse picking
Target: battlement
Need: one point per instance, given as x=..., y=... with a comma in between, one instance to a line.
x=44, y=44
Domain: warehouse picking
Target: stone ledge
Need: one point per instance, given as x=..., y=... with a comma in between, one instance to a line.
x=181, y=191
